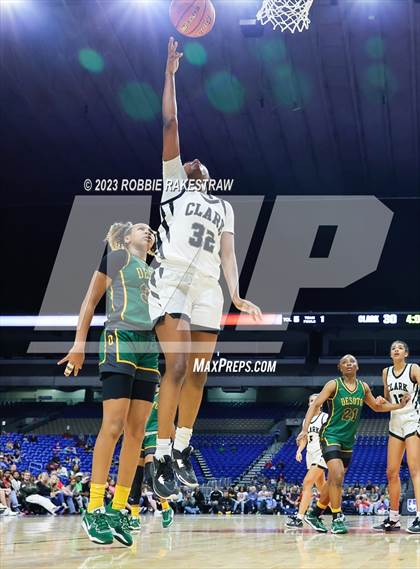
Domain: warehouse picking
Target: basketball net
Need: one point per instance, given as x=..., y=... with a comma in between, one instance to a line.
x=290, y=15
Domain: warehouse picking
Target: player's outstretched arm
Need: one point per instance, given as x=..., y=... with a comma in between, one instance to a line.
x=302, y=444
x=169, y=107
x=76, y=355
x=230, y=271
x=327, y=392
x=383, y=407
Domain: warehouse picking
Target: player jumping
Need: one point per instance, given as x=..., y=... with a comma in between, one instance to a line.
x=195, y=238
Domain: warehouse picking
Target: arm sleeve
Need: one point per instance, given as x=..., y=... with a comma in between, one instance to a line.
x=173, y=173
x=230, y=219
x=112, y=263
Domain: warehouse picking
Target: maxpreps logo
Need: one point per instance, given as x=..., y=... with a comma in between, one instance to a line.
x=234, y=366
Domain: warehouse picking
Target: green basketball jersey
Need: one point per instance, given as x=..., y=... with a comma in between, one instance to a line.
x=344, y=410
x=127, y=297
x=152, y=421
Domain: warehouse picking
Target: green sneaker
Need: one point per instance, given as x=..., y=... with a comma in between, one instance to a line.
x=119, y=523
x=97, y=528
x=316, y=523
x=167, y=517
x=134, y=524
x=338, y=526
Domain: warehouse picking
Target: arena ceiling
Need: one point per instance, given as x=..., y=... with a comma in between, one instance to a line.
x=331, y=110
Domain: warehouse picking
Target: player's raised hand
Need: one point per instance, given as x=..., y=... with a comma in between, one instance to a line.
x=74, y=359
x=174, y=56
x=298, y=456
x=248, y=307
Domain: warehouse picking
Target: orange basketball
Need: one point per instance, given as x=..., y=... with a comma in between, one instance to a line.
x=192, y=18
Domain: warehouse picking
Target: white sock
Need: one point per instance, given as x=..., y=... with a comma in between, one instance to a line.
x=418, y=515
x=182, y=438
x=394, y=515
x=299, y=516
x=163, y=448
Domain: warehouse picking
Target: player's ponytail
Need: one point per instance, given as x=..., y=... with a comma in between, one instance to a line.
x=116, y=234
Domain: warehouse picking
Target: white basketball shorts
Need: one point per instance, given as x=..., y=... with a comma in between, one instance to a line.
x=189, y=294
x=403, y=425
x=315, y=458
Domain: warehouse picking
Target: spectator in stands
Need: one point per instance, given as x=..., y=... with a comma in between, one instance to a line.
x=261, y=496
x=348, y=502
x=199, y=499
x=72, y=490
x=268, y=505
x=363, y=506
x=62, y=493
x=190, y=505
x=289, y=504
x=62, y=472
x=232, y=495
x=225, y=504
x=381, y=506
x=3, y=462
x=5, y=509
x=54, y=464
x=241, y=499
x=215, y=499
x=55, y=495
x=251, y=503
x=30, y=497
x=10, y=494
x=75, y=469
x=16, y=481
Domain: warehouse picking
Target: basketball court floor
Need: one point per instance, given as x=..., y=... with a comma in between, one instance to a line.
x=206, y=542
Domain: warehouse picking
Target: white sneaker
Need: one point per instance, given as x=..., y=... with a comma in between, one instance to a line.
x=157, y=513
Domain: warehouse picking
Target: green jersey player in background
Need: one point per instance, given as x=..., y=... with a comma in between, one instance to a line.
x=345, y=397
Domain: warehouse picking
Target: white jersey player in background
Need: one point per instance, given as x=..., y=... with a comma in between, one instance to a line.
x=399, y=379
x=195, y=238
x=315, y=464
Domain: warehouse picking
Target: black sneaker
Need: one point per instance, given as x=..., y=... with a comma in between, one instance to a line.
x=387, y=525
x=293, y=522
x=415, y=526
x=164, y=482
x=183, y=468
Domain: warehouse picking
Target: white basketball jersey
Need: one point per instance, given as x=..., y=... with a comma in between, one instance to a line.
x=401, y=384
x=192, y=223
x=313, y=432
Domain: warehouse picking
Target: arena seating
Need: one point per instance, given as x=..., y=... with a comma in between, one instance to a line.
x=230, y=455
x=368, y=463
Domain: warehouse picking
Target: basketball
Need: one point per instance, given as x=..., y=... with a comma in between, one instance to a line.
x=192, y=18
